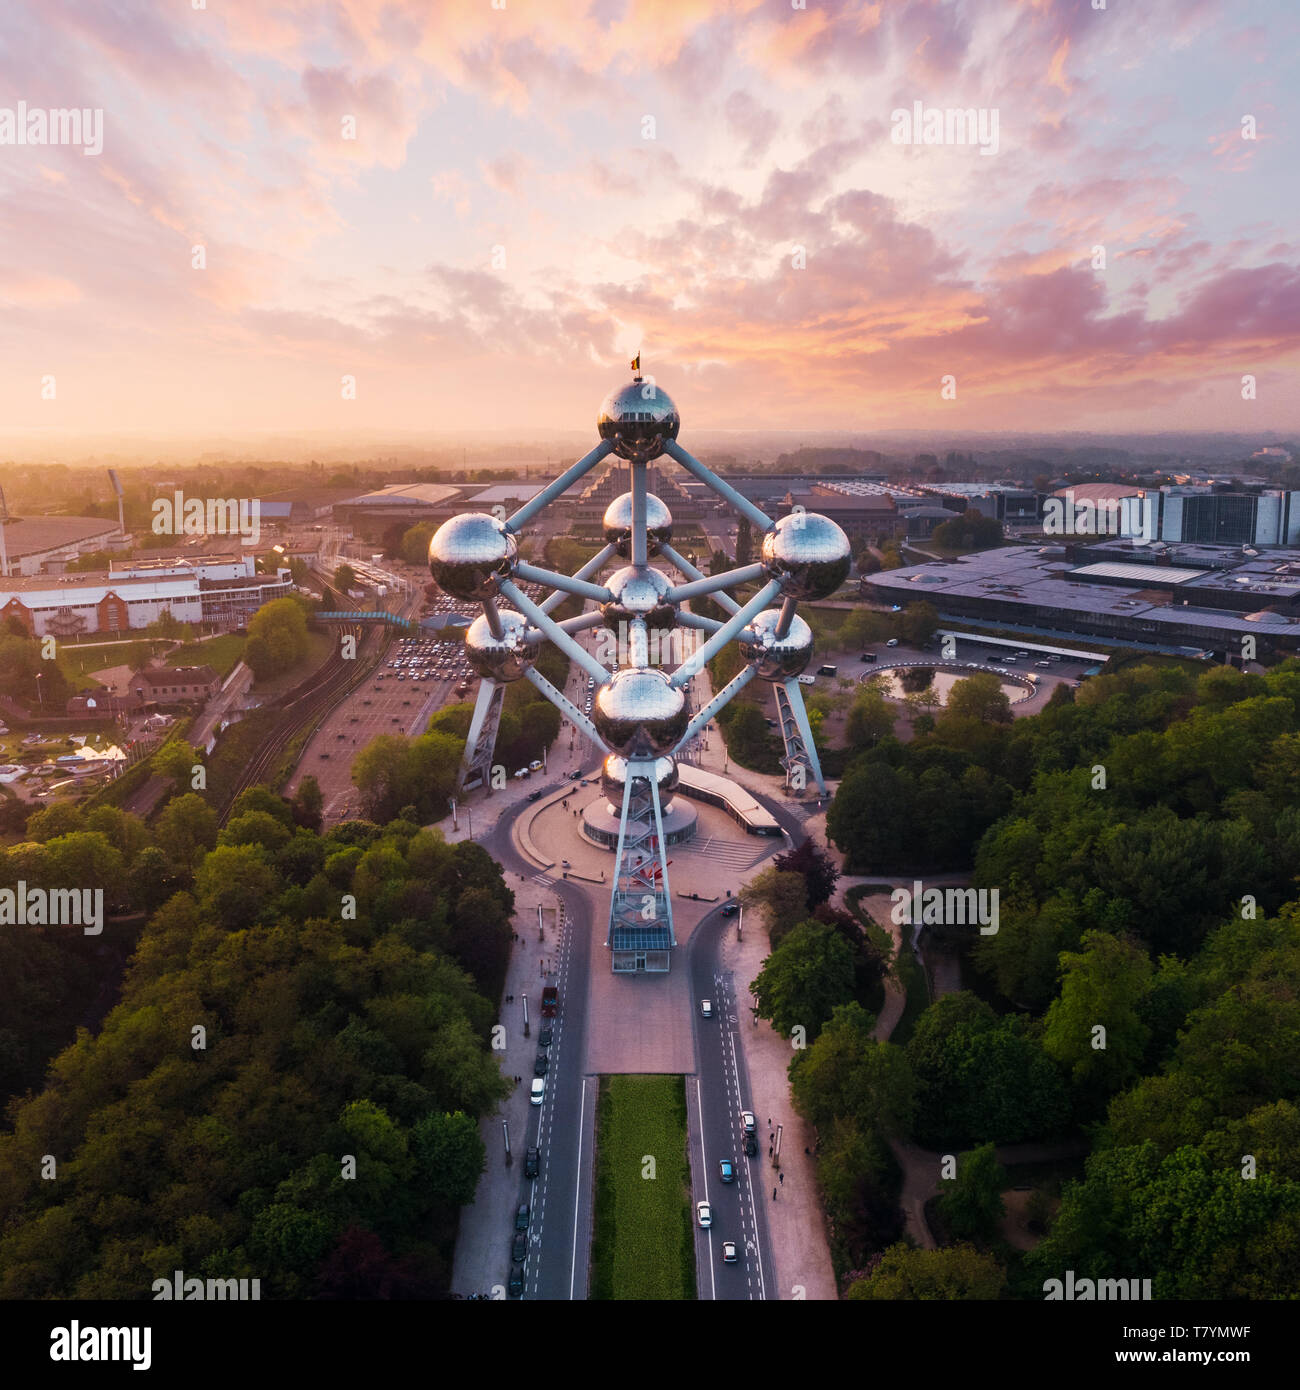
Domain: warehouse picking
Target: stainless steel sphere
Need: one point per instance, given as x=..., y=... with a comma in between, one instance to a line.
x=469, y=552
x=639, y=593
x=618, y=524
x=777, y=658
x=613, y=776
x=638, y=419
x=639, y=714
x=807, y=554
x=505, y=658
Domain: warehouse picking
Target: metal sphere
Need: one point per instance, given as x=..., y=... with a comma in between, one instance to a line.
x=777, y=658
x=638, y=419
x=639, y=714
x=505, y=658
x=613, y=776
x=469, y=553
x=639, y=593
x=617, y=524
x=807, y=554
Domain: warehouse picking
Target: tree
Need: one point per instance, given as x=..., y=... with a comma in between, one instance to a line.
x=744, y=542
x=175, y=759
x=451, y=1156
x=958, y=1272
x=186, y=828
x=308, y=804
x=805, y=979
x=870, y=719
x=919, y=622
x=781, y=897
x=1101, y=987
x=847, y=1074
x=345, y=578
x=979, y=697
x=816, y=868
x=971, y=1204
x=277, y=638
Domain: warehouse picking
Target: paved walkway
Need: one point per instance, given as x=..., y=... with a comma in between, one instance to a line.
x=797, y=1225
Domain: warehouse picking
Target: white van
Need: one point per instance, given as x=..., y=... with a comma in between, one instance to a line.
x=539, y=1090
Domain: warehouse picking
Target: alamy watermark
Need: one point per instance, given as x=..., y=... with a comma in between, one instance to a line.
x=946, y=907
x=179, y=515
x=1095, y=1290
x=23, y=125
x=1133, y=518
x=955, y=126
x=52, y=907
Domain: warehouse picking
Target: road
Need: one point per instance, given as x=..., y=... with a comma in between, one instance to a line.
x=562, y=1127
x=715, y=1096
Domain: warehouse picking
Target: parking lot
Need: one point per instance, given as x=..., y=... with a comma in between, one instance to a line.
x=418, y=676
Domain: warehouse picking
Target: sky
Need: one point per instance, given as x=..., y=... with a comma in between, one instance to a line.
x=441, y=215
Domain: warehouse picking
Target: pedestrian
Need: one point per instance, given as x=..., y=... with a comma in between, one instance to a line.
x=782, y=1176
x=774, y=1194
x=807, y=1150
x=769, y=1151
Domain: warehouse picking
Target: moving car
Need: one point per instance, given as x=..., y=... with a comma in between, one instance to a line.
x=727, y=1169
x=730, y=909
x=704, y=1214
x=728, y=1252
x=893, y=642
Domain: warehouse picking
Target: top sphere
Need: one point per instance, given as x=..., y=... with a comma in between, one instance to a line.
x=807, y=554
x=638, y=419
x=469, y=553
x=617, y=524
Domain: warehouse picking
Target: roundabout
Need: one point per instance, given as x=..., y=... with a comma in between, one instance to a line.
x=893, y=680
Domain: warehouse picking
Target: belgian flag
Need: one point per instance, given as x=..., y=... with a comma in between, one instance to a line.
x=636, y=363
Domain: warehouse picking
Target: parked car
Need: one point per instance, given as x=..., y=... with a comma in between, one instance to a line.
x=521, y=1217
x=751, y=1146
x=518, y=1249
x=532, y=1163
x=747, y=1121
x=541, y=1064
x=706, y=1008
x=544, y=1038
x=515, y=1286
x=538, y=1091
x=893, y=642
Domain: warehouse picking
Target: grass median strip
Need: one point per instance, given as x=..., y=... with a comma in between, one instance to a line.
x=643, y=1244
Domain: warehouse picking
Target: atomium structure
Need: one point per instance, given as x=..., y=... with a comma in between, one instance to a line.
x=642, y=716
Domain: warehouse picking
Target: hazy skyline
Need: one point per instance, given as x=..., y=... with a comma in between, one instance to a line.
x=518, y=133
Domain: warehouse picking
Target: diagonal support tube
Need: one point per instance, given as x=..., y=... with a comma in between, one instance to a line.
x=710, y=584
x=566, y=707
x=702, y=717
x=689, y=570
x=573, y=650
x=565, y=583
x=735, y=624
x=562, y=484
x=593, y=566
x=711, y=480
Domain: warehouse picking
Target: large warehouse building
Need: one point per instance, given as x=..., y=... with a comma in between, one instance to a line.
x=218, y=591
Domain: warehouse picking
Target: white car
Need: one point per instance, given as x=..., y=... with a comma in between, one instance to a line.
x=706, y=1008
x=539, y=1090
x=704, y=1214
x=893, y=642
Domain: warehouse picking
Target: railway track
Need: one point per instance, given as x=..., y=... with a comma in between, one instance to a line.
x=304, y=711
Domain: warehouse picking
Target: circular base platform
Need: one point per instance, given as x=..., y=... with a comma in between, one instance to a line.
x=600, y=821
